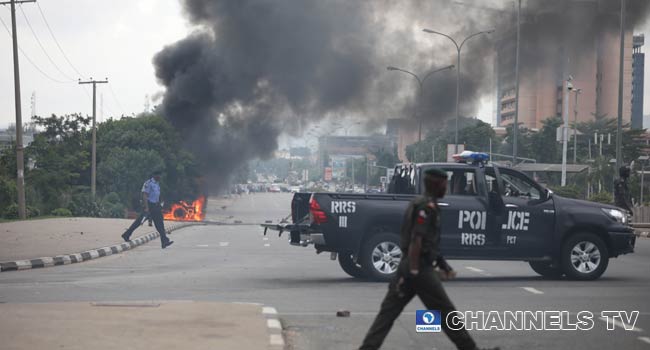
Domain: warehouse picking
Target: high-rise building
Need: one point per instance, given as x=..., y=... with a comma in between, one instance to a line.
x=551, y=51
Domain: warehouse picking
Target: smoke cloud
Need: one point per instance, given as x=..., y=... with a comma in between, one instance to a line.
x=254, y=69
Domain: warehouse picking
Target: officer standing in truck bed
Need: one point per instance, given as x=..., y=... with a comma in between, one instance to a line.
x=420, y=237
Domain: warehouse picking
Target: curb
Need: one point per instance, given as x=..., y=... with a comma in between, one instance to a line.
x=87, y=255
x=643, y=234
x=274, y=327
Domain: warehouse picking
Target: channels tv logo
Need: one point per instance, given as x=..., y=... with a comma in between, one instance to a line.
x=428, y=321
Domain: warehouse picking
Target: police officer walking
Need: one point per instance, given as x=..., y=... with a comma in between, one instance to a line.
x=420, y=238
x=622, y=197
x=151, y=209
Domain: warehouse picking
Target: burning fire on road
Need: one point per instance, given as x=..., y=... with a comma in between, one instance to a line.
x=183, y=211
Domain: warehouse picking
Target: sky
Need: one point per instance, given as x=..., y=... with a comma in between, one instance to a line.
x=114, y=39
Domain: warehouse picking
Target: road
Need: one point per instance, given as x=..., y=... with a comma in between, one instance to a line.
x=236, y=263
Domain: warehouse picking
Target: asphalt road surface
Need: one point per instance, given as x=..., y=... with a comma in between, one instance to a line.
x=238, y=264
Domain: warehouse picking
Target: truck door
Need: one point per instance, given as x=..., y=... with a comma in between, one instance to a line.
x=529, y=220
x=464, y=212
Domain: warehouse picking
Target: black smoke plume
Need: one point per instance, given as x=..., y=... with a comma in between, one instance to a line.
x=254, y=69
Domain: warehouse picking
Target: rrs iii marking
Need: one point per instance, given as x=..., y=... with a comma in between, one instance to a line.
x=339, y=207
x=475, y=219
x=472, y=239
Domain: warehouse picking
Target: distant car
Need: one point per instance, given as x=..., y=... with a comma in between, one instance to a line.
x=295, y=189
x=275, y=188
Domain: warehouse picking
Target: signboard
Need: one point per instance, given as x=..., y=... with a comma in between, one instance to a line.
x=328, y=174
x=451, y=150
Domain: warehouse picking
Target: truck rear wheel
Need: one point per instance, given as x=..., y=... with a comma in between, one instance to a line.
x=546, y=269
x=584, y=257
x=350, y=266
x=380, y=256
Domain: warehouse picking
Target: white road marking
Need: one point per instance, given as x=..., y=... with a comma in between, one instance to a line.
x=267, y=244
x=621, y=325
x=273, y=323
x=644, y=339
x=265, y=238
x=473, y=269
x=532, y=290
x=223, y=244
x=276, y=340
x=477, y=270
x=267, y=310
x=203, y=245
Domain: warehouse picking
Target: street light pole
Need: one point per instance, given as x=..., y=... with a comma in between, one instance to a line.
x=93, y=166
x=565, y=127
x=575, y=123
x=420, y=83
x=458, y=50
x=619, y=124
x=515, y=127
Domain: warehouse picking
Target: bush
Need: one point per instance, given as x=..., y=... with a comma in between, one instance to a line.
x=571, y=191
x=61, y=212
x=11, y=212
x=82, y=204
x=602, y=197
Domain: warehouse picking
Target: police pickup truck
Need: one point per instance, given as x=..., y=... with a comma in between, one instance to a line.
x=489, y=213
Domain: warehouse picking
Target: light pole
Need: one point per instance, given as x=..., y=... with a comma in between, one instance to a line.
x=420, y=82
x=619, y=122
x=565, y=127
x=643, y=160
x=458, y=49
x=575, y=123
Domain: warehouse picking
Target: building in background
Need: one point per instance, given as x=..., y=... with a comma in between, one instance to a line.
x=403, y=132
x=590, y=56
x=335, y=151
x=638, y=70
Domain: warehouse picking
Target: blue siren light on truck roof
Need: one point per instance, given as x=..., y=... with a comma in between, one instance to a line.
x=471, y=157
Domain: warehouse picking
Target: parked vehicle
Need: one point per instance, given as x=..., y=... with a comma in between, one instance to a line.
x=489, y=213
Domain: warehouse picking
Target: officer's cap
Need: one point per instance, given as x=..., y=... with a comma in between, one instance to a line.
x=156, y=173
x=435, y=172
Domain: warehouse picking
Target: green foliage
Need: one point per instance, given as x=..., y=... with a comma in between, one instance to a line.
x=11, y=211
x=61, y=212
x=570, y=191
x=8, y=193
x=82, y=204
x=602, y=197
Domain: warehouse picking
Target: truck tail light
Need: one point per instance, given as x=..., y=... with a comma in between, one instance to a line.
x=317, y=215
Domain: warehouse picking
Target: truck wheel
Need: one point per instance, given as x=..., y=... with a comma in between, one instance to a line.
x=546, y=269
x=584, y=257
x=380, y=256
x=349, y=266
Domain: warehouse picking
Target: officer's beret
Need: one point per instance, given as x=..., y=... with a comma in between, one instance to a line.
x=435, y=172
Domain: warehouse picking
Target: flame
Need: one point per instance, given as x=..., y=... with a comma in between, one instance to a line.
x=182, y=211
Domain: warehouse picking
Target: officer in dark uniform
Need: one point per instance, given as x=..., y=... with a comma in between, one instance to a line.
x=622, y=197
x=420, y=239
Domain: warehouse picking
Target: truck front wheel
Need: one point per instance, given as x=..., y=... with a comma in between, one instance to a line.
x=584, y=257
x=380, y=256
x=350, y=266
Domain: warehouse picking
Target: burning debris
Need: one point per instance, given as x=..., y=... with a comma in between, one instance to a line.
x=183, y=211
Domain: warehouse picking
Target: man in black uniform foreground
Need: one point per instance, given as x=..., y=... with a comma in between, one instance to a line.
x=420, y=237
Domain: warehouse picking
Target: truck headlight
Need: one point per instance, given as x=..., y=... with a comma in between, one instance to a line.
x=616, y=214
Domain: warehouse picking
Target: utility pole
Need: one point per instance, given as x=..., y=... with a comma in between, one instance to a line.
x=93, y=166
x=619, y=124
x=515, y=126
x=20, y=160
x=575, y=126
x=566, y=87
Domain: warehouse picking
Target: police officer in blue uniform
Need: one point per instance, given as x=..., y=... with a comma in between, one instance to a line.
x=151, y=209
x=420, y=239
